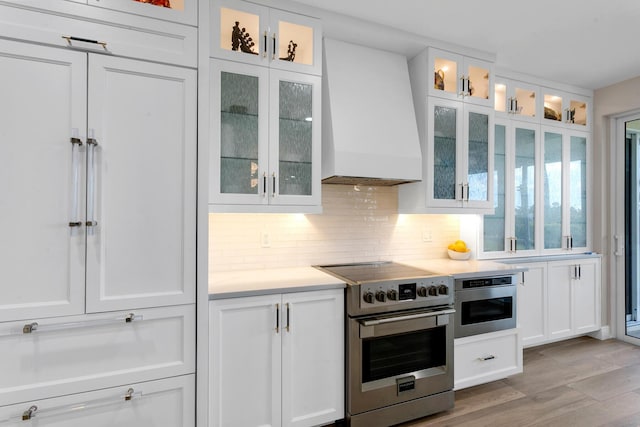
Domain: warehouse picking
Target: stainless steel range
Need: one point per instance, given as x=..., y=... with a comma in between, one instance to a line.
x=399, y=362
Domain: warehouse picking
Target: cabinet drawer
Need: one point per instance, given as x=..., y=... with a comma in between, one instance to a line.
x=127, y=36
x=167, y=402
x=487, y=357
x=74, y=354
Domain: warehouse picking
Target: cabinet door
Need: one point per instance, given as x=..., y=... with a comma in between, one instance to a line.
x=42, y=251
x=516, y=100
x=167, y=402
x=296, y=42
x=294, y=158
x=313, y=358
x=240, y=132
x=479, y=75
x=586, y=296
x=524, y=191
x=141, y=184
x=477, y=157
x=559, y=283
x=532, y=304
x=182, y=11
x=554, y=191
x=245, y=356
x=577, y=205
x=240, y=31
x=565, y=109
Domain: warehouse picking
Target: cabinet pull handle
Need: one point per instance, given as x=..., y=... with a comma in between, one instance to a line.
x=288, y=317
x=71, y=39
x=273, y=182
x=485, y=358
x=516, y=111
x=570, y=242
x=277, y=318
x=76, y=143
x=92, y=143
x=579, y=272
x=30, y=328
x=264, y=50
x=264, y=184
x=274, y=53
x=522, y=278
x=34, y=412
x=466, y=185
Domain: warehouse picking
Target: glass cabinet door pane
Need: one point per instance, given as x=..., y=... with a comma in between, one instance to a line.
x=578, y=191
x=239, y=134
x=478, y=161
x=240, y=32
x=525, y=187
x=553, y=107
x=478, y=82
x=525, y=102
x=552, y=190
x=444, y=153
x=295, y=43
x=445, y=74
x=494, y=225
x=500, y=97
x=296, y=142
x=577, y=112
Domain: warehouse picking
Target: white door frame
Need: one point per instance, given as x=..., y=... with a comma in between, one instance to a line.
x=617, y=215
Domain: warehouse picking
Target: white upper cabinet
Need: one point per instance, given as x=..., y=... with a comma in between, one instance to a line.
x=460, y=77
x=180, y=11
x=265, y=151
x=515, y=99
x=263, y=36
x=566, y=109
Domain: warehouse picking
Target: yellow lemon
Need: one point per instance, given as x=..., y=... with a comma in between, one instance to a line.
x=460, y=246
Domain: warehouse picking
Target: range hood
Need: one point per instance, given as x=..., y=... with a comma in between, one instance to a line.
x=369, y=131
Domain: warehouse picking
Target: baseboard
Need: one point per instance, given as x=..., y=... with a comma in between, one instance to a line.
x=604, y=333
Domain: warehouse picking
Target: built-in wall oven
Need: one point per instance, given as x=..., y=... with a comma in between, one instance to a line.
x=400, y=330
x=485, y=304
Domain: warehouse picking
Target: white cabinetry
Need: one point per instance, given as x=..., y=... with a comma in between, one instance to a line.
x=265, y=154
x=457, y=144
x=561, y=108
x=559, y=300
x=260, y=35
x=516, y=99
x=283, y=353
x=486, y=357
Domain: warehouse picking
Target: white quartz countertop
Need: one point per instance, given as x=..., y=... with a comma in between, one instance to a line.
x=465, y=269
x=232, y=284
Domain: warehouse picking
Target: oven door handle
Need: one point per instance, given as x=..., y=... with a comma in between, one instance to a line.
x=383, y=320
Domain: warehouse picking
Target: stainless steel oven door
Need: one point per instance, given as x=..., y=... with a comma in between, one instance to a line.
x=396, y=358
x=485, y=309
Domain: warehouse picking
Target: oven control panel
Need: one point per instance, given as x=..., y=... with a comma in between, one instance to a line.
x=424, y=292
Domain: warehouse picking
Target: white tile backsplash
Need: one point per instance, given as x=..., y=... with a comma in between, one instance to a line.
x=355, y=226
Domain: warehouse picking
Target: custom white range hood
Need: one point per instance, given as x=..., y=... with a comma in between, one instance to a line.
x=369, y=133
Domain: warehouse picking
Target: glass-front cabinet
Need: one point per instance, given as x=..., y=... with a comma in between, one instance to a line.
x=265, y=130
x=460, y=147
x=516, y=99
x=565, y=108
x=460, y=77
x=565, y=175
x=511, y=229
x=264, y=36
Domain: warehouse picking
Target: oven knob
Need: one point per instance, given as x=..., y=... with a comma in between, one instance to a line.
x=381, y=296
x=392, y=294
x=443, y=290
x=368, y=297
x=433, y=291
x=422, y=291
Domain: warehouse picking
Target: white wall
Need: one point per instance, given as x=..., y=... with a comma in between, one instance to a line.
x=608, y=101
x=354, y=226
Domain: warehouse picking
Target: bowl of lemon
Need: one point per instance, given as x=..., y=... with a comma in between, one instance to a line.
x=458, y=250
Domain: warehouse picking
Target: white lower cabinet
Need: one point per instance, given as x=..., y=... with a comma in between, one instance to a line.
x=559, y=300
x=277, y=360
x=479, y=359
x=167, y=402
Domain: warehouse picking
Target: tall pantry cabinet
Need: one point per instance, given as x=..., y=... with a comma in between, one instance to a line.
x=98, y=194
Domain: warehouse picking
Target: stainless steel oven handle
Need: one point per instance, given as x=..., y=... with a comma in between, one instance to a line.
x=374, y=322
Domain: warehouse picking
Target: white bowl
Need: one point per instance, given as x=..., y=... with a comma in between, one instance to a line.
x=460, y=256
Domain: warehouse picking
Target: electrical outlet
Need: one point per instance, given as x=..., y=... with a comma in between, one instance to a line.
x=265, y=239
x=427, y=236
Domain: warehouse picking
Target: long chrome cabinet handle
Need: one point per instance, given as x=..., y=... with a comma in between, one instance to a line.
x=92, y=143
x=35, y=412
x=76, y=143
x=71, y=39
x=33, y=327
x=288, y=317
x=274, y=53
x=277, y=318
x=274, y=193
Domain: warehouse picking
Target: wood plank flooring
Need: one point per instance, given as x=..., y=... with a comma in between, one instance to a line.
x=580, y=382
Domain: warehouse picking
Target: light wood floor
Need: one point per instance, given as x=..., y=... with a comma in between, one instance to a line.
x=581, y=382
